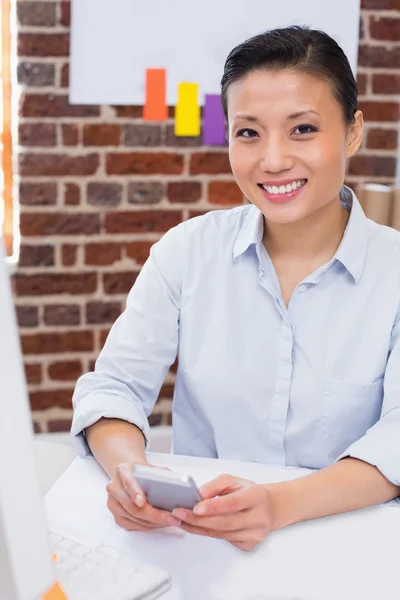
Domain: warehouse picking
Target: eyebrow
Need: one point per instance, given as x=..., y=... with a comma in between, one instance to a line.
x=290, y=117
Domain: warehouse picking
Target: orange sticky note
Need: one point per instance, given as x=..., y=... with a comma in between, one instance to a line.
x=55, y=593
x=155, y=107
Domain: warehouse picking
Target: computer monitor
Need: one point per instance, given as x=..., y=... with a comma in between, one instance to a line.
x=26, y=570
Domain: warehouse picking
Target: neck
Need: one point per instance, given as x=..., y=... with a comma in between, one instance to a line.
x=310, y=238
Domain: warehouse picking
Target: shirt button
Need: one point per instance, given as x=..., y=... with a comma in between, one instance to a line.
x=302, y=288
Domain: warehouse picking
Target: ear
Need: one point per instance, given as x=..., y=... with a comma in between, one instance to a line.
x=355, y=134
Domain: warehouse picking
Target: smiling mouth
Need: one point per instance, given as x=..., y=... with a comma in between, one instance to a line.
x=283, y=189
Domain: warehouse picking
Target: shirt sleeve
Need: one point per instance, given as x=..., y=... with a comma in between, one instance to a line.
x=380, y=446
x=140, y=347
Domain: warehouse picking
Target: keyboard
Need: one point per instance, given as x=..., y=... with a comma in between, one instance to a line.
x=100, y=572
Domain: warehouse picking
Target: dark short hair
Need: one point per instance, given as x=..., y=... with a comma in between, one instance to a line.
x=296, y=47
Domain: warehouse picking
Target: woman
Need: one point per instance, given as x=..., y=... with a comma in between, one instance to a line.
x=284, y=314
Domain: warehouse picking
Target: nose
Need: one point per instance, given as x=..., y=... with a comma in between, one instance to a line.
x=276, y=156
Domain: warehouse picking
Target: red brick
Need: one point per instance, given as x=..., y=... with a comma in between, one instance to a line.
x=386, y=83
x=43, y=44
x=104, y=194
x=54, y=105
x=375, y=166
x=362, y=80
x=37, y=194
x=66, y=14
x=141, y=221
x=59, y=224
x=65, y=75
x=155, y=419
x=66, y=370
x=36, y=14
x=139, y=251
x=142, y=135
x=381, y=4
x=382, y=28
x=378, y=56
x=102, y=253
x=145, y=192
x=102, y=312
x=62, y=314
x=224, y=193
x=103, y=336
x=129, y=112
x=70, y=134
x=210, y=162
x=27, y=316
x=64, y=283
x=151, y=163
x=57, y=165
x=36, y=256
x=101, y=135
x=181, y=141
x=174, y=368
x=33, y=373
x=53, y=343
x=380, y=111
x=68, y=255
x=37, y=134
x=382, y=139
x=167, y=391
x=59, y=425
x=72, y=194
x=184, y=191
x=34, y=74
x=50, y=398
x=198, y=213
x=119, y=283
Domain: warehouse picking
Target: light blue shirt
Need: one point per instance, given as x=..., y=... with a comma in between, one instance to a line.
x=304, y=385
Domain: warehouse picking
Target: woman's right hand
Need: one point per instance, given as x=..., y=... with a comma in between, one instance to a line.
x=129, y=505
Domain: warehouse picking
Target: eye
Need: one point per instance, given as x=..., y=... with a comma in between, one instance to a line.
x=304, y=129
x=251, y=132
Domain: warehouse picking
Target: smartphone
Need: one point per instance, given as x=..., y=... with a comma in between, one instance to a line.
x=165, y=489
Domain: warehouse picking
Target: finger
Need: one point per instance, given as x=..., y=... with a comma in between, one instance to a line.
x=147, y=513
x=230, y=536
x=131, y=486
x=218, y=486
x=226, y=522
x=131, y=525
x=119, y=511
x=236, y=501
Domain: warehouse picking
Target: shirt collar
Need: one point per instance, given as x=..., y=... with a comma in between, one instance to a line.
x=353, y=247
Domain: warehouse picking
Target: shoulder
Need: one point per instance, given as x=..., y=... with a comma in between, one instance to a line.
x=224, y=222
x=383, y=238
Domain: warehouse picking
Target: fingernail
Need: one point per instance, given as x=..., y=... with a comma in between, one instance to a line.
x=173, y=521
x=139, y=500
x=179, y=513
x=199, y=509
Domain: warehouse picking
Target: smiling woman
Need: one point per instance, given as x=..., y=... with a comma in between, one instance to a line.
x=298, y=361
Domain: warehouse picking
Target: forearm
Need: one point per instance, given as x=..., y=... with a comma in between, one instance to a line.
x=348, y=485
x=113, y=441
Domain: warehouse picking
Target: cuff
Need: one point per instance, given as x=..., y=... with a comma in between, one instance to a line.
x=93, y=407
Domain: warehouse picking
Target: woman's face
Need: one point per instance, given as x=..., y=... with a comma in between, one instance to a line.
x=287, y=129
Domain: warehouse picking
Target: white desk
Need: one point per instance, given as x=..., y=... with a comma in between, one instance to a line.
x=354, y=556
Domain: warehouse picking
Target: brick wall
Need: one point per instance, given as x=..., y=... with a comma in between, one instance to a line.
x=98, y=186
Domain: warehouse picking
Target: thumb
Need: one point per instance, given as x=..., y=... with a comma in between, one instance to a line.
x=223, y=484
x=158, y=467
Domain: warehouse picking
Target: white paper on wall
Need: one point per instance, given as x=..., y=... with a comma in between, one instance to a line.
x=114, y=41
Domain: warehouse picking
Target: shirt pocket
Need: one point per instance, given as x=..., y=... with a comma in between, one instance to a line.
x=350, y=409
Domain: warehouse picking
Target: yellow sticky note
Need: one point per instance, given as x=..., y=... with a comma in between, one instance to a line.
x=187, y=110
x=55, y=593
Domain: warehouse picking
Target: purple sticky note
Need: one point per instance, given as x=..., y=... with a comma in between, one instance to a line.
x=213, y=121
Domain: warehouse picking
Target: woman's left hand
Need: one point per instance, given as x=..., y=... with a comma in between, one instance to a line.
x=233, y=509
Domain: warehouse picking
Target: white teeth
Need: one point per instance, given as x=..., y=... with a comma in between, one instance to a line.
x=284, y=189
